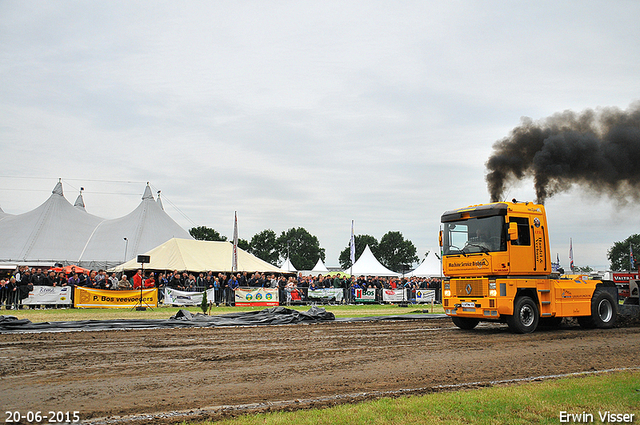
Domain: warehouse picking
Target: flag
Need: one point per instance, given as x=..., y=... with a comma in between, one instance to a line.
x=571, y=254
x=234, y=260
x=631, y=261
x=352, y=243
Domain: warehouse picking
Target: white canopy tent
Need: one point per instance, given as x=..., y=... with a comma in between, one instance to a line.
x=288, y=266
x=320, y=267
x=368, y=265
x=199, y=256
x=430, y=267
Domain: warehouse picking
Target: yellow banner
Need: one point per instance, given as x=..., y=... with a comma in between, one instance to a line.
x=104, y=298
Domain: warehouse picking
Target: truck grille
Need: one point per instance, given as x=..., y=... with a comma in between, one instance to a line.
x=469, y=288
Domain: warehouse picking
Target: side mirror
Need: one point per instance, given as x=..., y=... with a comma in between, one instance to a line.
x=513, y=231
x=440, y=237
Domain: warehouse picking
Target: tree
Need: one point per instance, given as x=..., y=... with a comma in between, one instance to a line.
x=361, y=242
x=204, y=233
x=263, y=245
x=583, y=269
x=204, y=304
x=243, y=244
x=396, y=253
x=619, y=255
x=302, y=247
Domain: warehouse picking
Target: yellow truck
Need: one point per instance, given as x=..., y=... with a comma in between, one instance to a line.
x=497, y=267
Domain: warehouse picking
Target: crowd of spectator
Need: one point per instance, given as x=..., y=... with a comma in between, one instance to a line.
x=16, y=287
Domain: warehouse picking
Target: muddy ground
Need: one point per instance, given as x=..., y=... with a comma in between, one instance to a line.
x=182, y=374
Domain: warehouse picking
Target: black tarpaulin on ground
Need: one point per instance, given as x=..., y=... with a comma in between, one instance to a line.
x=183, y=319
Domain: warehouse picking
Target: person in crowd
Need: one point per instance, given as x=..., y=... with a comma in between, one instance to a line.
x=62, y=279
x=82, y=278
x=137, y=279
x=149, y=281
x=38, y=278
x=124, y=283
x=230, y=288
x=12, y=294
x=50, y=279
x=112, y=281
x=3, y=291
x=73, y=280
x=175, y=281
x=101, y=280
x=190, y=283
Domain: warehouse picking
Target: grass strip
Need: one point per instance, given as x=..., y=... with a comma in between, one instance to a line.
x=537, y=402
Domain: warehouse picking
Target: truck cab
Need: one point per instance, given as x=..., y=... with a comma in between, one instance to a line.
x=497, y=266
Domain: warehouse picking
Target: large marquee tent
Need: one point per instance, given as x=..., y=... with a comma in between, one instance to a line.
x=58, y=232
x=199, y=256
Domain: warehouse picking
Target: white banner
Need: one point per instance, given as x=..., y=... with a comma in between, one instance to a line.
x=425, y=295
x=49, y=295
x=367, y=295
x=336, y=294
x=256, y=297
x=394, y=295
x=175, y=297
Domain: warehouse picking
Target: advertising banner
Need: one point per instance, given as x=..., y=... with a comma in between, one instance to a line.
x=365, y=295
x=425, y=295
x=329, y=294
x=182, y=298
x=49, y=295
x=394, y=295
x=257, y=297
x=104, y=298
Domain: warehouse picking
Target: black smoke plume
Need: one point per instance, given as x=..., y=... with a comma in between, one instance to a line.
x=598, y=150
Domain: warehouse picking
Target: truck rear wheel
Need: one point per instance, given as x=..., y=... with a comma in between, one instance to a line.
x=603, y=312
x=465, y=323
x=525, y=316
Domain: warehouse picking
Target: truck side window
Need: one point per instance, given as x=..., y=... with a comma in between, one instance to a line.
x=524, y=234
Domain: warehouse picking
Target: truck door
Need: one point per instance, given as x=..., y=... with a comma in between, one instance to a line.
x=521, y=255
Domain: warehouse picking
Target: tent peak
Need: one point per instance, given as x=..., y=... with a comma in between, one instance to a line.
x=58, y=189
x=147, y=193
x=80, y=201
x=160, y=202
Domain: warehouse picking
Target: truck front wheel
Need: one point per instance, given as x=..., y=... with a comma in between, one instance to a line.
x=465, y=323
x=603, y=312
x=525, y=316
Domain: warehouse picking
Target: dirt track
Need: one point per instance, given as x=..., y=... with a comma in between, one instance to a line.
x=104, y=374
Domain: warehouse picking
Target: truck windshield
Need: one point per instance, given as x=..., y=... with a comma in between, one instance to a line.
x=474, y=235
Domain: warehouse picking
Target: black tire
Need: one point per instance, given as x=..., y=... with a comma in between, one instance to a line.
x=525, y=316
x=465, y=323
x=603, y=312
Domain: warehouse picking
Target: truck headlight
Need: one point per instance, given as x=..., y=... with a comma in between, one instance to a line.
x=493, y=293
x=447, y=293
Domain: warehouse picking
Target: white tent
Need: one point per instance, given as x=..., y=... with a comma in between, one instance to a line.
x=288, y=266
x=144, y=228
x=320, y=267
x=368, y=265
x=430, y=267
x=54, y=231
x=58, y=232
x=199, y=256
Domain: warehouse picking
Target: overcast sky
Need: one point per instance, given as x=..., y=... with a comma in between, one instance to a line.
x=305, y=114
